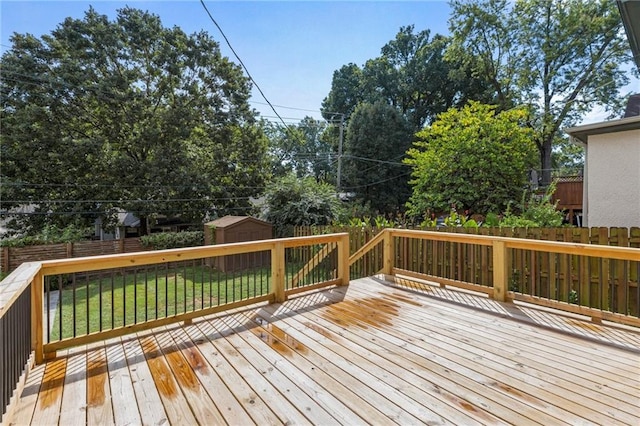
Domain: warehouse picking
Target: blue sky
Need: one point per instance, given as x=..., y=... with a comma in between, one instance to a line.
x=291, y=48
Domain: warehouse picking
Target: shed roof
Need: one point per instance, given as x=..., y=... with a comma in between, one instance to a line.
x=227, y=221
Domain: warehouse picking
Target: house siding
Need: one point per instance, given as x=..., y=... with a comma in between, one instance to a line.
x=613, y=167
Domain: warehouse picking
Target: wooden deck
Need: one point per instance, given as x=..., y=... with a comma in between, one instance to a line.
x=371, y=352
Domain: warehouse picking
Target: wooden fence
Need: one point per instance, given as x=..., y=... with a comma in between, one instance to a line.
x=12, y=257
x=619, y=237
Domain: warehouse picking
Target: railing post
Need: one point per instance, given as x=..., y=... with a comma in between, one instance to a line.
x=277, y=272
x=500, y=270
x=343, y=260
x=388, y=252
x=37, y=288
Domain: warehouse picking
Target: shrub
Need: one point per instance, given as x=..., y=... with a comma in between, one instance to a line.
x=538, y=211
x=169, y=240
x=50, y=234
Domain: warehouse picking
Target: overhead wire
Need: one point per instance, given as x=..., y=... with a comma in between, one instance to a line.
x=240, y=60
x=308, y=157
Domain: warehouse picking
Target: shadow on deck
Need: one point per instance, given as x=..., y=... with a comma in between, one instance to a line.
x=373, y=352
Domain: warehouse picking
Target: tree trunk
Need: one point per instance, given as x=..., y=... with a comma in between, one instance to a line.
x=545, y=160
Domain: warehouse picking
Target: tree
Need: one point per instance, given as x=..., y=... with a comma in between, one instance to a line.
x=377, y=138
x=411, y=74
x=470, y=159
x=559, y=57
x=126, y=114
x=291, y=201
x=300, y=149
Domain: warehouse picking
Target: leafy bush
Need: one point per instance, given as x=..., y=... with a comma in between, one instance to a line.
x=300, y=202
x=538, y=211
x=50, y=234
x=169, y=240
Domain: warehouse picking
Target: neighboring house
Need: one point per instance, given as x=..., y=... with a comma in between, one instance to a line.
x=611, y=191
x=128, y=226
x=611, y=188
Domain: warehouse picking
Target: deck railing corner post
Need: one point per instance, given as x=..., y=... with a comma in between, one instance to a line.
x=343, y=259
x=388, y=252
x=277, y=272
x=37, y=289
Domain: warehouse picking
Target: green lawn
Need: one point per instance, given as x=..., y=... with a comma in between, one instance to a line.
x=117, y=300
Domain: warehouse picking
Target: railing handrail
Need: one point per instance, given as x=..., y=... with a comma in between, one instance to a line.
x=15, y=284
x=592, y=250
x=122, y=260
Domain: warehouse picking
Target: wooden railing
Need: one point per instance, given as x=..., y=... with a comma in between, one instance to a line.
x=47, y=306
x=51, y=305
x=594, y=280
x=15, y=334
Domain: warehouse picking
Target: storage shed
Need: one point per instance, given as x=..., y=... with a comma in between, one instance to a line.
x=237, y=229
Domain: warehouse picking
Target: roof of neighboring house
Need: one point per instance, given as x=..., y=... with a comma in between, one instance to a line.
x=128, y=219
x=630, y=13
x=582, y=133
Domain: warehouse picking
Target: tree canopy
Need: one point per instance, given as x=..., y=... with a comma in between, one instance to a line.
x=560, y=58
x=126, y=114
x=470, y=159
x=411, y=74
x=300, y=149
x=377, y=138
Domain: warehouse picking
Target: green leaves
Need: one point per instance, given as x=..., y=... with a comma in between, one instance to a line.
x=470, y=159
x=377, y=138
x=127, y=114
x=300, y=202
x=560, y=58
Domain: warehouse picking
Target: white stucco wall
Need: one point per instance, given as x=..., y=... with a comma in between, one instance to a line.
x=613, y=175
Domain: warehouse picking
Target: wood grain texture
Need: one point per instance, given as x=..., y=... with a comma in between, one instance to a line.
x=373, y=352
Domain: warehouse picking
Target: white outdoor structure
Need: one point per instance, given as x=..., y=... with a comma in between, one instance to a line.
x=611, y=172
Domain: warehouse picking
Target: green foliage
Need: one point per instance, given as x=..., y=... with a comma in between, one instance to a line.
x=169, y=240
x=411, y=74
x=491, y=220
x=378, y=221
x=103, y=114
x=454, y=220
x=300, y=149
x=470, y=159
x=50, y=234
x=300, y=202
x=536, y=211
x=567, y=159
x=560, y=58
x=377, y=138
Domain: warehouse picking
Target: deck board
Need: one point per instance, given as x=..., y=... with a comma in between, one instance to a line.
x=516, y=376
x=369, y=353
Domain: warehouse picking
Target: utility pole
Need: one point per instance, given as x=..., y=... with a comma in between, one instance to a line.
x=340, y=151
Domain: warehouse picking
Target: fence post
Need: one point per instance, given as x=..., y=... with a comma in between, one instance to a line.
x=343, y=259
x=277, y=272
x=37, y=288
x=388, y=252
x=500, y=270
x=69, y=250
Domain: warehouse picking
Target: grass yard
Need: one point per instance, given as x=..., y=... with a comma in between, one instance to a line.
x=115, y=300
x=102, y=303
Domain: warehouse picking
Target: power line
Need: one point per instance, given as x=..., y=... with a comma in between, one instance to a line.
x=378, y=182
x=240, y=60
x=375, y=160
